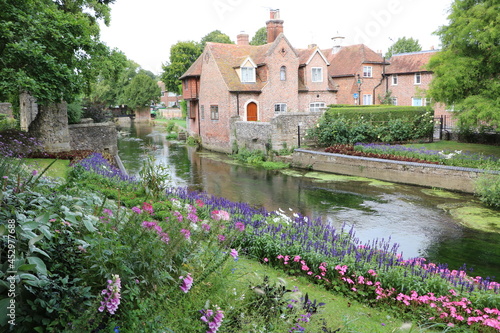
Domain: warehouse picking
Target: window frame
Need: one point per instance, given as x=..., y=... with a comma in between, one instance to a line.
x=367, y=71
x=365, y=97
x=419, y=80
x=245, y=78
x=214, y=112
x=394, y=79
x=414, y=99
x=394, y=101
x=314, y=78
x=281, y=106
x=283, y=73
x=202, y=111
x=316, y=106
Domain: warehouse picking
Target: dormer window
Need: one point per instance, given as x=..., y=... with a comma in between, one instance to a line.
x=283, y=73
x=247, y=74
x=317, y=74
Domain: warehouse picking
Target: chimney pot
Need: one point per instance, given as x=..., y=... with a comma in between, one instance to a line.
x=242, y=39
x=274, y=25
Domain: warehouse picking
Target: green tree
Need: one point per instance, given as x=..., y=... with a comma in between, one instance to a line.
x=142, y=91
x=47, y=47
x=215, y=36
x=182, y=56
x=260, y=37
x=403, y=45
x=466, y=71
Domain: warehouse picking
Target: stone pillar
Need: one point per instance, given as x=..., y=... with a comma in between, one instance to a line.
x=28, y=110
x=6, y=108
x=50, y=127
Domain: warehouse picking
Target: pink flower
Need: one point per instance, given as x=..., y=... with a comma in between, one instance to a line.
x=296, y=258
x=305, y=268
x=234, y=254
x=199, y=203
x=111, y=295
x=186, y=233
x=221, y=238
x=205, y=227
x=107, y=211
x=239, y=226
x=220, y=215
x=187, y=283
x=266, y=260
x=136, y=210
x=179, y=216
x=147, y=207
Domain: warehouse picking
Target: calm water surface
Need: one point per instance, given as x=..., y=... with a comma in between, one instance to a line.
x=408, y=215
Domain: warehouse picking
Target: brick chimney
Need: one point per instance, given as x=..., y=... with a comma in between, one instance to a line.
x=242, y=39
x=274, y=25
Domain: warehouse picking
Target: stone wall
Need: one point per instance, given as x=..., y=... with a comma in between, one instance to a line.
x=429, y=175
x=6, y=108
x=28, y=110
x=281, y=132
x=90, y=136
x=50, y=127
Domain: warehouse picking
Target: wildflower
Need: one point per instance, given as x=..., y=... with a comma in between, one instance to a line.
x=34, y=172
x=296, y=258
x=147, y=207
x=187, y=282
x=266, y=260
x=111, y=295
x=186, y=233
x=234, y=254
x=239, y=226
x=199, y=203
x=193, y=217
x=221, y=238
x=220, y=215
x=205, y=227
x=178, y=215
x=214, y=320
x=107, y=211
x=136, y=210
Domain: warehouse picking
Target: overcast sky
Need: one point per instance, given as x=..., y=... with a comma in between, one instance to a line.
x=145, y=30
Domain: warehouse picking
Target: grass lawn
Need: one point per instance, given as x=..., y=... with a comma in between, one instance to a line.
x=338, y=311
x=474, y=148
x=58, y=169
x=178, y=122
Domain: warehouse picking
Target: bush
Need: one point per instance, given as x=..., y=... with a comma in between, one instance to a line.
x=75, y=112
x=381, y=124
x=488, y=189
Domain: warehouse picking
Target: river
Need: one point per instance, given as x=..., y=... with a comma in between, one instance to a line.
x=412, y=216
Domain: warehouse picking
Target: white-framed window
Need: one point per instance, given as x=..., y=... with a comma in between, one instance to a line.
x=202, y=109
x=247, y=74
x=416, y=101
x=316, y=107
x=367, y=71
x=394, y=79
x=394, y=100
x=171, y=94
x=367, y=99
x=280, y=107
x=317, y=74
x=418, y=78
x=283, y=73
x=214, y=112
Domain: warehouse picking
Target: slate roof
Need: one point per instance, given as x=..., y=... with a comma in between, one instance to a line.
x=409, y=62
x=347, y=60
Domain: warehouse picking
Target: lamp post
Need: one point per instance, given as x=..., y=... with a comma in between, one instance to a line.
x=359, y=82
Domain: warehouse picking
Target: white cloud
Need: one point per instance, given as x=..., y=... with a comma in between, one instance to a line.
x=145, y=30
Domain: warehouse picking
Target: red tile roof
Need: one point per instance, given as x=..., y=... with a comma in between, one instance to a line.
x=409, y=62
x=347, y=61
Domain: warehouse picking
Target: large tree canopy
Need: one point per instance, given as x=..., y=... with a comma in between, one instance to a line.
x=47, y=46
x=467, y=70
x=182, y=56
x=260, y=37
x=215, y=36
x=403, y=45
x=142, y=91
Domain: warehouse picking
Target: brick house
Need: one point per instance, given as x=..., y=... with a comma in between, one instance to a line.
x=168, y=98
x=357, y=71
x=256, y=96
x=408, y=79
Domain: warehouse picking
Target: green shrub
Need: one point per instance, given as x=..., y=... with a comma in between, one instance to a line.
x=348, y=125
x=75, y=112
x=488, y=189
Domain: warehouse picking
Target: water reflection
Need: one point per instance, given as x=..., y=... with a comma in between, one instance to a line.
x=408, y=215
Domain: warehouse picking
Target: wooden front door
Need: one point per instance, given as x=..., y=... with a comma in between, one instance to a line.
x=252, y=112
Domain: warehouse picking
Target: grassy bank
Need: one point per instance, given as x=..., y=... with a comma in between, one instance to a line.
x=103, y=252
